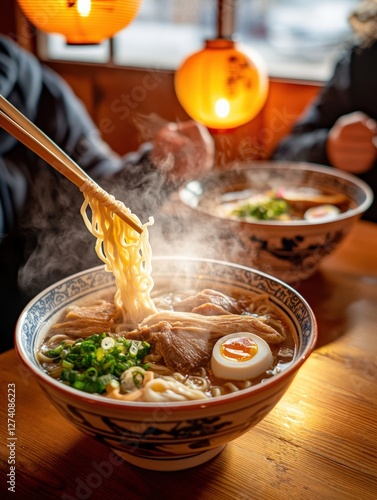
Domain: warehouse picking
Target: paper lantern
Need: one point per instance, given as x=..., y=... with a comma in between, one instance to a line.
x=81, y=21
x=222, y=86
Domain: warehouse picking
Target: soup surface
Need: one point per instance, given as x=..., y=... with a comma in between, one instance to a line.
x=198, y=345
x=280, y=204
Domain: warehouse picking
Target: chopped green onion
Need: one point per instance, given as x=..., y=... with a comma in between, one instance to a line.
x=107, y=343
x=133, y=350
x=138, y=378
x=78, y=384
x=55, y=353
x=67, y=365
x=92, y=373
x=269, y=209
x=99, y=360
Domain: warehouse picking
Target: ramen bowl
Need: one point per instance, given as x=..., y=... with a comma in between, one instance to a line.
x=288, y=249
x=172, y=435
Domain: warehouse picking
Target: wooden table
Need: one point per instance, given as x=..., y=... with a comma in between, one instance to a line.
x=320, y=442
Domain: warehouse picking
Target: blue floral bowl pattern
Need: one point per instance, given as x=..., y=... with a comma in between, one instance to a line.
x=169, y=436
x=291, y=251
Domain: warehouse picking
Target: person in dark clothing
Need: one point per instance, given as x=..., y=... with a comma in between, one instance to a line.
x=339, y=128
x=42, y=234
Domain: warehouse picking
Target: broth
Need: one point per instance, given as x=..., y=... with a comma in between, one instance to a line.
x=281, y=204
x=184, y=322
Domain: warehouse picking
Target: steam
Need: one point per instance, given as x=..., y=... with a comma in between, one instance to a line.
x=57, y=242
x=60, y=244
x=148, y=125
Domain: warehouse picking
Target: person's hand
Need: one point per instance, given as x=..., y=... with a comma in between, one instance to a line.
x=183, y=150
x=351, y=143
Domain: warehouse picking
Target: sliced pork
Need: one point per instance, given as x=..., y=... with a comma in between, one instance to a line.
x=185, y=340
x=209, y=302
x=224, y=324
x=183, y=350
x=82, y=321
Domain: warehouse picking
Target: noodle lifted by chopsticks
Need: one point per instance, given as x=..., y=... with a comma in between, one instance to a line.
x=127, y=254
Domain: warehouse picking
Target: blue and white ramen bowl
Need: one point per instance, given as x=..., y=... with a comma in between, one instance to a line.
x=166, y=436
x=291, y=250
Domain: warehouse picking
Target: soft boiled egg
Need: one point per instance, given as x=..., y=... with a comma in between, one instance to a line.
x=240, y=355
x=323, y=212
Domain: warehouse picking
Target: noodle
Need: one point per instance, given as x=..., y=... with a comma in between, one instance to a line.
x=162, y=390
x=126, y=254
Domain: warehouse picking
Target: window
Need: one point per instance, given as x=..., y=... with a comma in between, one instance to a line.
x=298, y=39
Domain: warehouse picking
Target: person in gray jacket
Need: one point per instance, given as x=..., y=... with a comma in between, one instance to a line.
x=339, y=128
x=42, y=235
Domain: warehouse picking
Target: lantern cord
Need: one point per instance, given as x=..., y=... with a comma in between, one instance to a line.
x=225, y=18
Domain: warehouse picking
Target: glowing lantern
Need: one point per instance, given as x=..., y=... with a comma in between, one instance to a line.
x=81, y=21
x=222, y=86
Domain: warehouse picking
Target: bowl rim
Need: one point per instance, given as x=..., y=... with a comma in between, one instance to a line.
x=180, y=406
x=283, y=165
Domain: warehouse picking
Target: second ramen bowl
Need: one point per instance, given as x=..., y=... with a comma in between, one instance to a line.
x=166, y=436
x=291, y=250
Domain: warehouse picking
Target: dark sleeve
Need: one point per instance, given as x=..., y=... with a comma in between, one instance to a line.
x=46, y=99
x=307, y=140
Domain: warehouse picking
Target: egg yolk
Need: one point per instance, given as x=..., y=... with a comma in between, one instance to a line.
x=239, y=349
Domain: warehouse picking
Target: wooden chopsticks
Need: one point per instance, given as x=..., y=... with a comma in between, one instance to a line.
x=16, y=124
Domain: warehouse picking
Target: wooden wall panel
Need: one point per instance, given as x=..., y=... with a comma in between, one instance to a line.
x=128, y=105
x=286, y=102
x=133, y=104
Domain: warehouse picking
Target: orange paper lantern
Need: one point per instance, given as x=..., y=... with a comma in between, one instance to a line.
x=81, y=21
x=222, y=86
